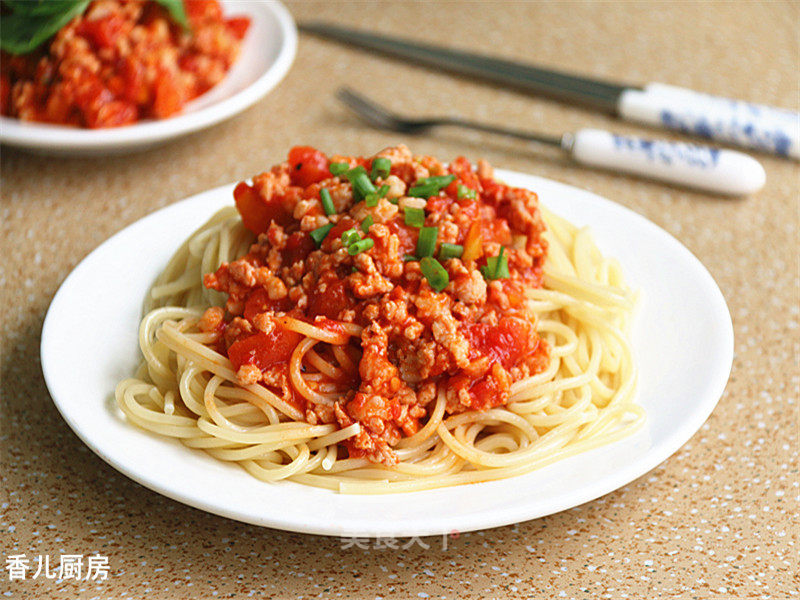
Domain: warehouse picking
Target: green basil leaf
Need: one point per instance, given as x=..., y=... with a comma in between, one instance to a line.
x=177, y=11
x=40, y=7
x=22, y=32
x=33, y=22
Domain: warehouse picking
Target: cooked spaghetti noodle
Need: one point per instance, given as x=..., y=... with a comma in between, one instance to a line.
x=579, y=397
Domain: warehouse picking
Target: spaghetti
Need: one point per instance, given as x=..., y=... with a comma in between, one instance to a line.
x=564, y=385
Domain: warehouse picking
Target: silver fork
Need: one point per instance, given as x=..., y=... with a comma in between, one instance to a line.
x=381, y=117
x=718, y=171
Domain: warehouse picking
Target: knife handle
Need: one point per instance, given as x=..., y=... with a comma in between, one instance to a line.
x=724, y=172
x=765, y=128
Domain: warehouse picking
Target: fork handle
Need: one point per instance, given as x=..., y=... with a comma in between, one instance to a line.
x=725, y=172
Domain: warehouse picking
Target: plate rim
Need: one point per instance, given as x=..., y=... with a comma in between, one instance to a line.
x=46, y=137
x=503, y=515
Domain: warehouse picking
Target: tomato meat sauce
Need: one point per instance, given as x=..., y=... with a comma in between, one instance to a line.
x=120, y=62
x=460, y=333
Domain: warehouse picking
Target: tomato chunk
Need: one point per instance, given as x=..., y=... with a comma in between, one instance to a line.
x=496, y=230
x=298, y=247
x=337, y=231
x=308, y=165
x=407, y=236
x=330, y=302
x=462, y=169
x=198, y=11
x=264, y=349
x=238, y=26
x=103, y=32
x=257, y=213
x=486, y=393
x=259, y=302
x=506, y=343
x=5, y=93
x=168, y=98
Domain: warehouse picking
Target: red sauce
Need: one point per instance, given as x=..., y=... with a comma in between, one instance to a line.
x=334, y=236
x=507, y=342
x=264, y=350
x=298, y=247
x=328, y=325
x=257, y=213
x=258, y=301
x=408, y=236
x=484, y=393
x=330, y=300
x=473, y=339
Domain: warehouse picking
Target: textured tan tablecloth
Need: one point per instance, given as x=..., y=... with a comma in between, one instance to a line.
x=718, y=519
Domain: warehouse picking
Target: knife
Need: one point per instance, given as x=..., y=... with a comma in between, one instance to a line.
x=764, y=128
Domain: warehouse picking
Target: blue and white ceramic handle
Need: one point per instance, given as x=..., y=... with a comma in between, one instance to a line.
x=764, y=128
x=711, y=169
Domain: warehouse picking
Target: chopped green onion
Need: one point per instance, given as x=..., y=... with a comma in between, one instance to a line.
x=327, y=202
x=447, y=250
x=415, y=217
x=435, y=273
x=496, y=266
x=371, y=199
x=441, y=180
x=355, y=171
x=320, y=233
x=367, y=223
x=360, y=246
x=430, y=186
x=381, y=167
x=426, y=244
x=465, y=192
x=422, y=191
x=361, y=183
x=340, y=168
x=409, y=257
x=350, y=236
x=502, y=265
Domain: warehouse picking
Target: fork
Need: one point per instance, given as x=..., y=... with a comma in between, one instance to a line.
x=724, y=172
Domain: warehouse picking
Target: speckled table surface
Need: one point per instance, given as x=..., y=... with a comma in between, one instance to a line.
x=717, y=519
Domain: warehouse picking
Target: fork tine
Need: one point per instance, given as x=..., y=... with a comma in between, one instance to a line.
x=368, y=110
x=382, y=117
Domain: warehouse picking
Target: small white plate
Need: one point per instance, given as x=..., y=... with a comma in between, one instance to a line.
x=683, y=341
x=267, y=53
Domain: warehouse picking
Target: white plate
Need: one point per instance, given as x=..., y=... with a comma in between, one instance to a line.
x=267, y=53
x=683, y=340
